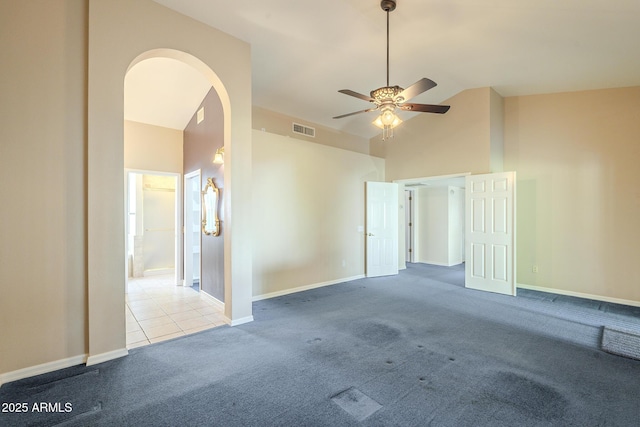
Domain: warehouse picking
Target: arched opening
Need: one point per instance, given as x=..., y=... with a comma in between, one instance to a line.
x=117, y=37
x=176, y=118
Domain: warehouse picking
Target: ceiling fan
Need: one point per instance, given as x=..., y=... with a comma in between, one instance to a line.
x=388, y=98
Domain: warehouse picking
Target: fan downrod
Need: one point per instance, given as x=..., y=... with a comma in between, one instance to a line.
x=388, y=5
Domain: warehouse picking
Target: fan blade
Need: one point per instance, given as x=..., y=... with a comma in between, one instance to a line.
x=425, y=108
x=417, y=88
x=356, y=94
x=357, y=112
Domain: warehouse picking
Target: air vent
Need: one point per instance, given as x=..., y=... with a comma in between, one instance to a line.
x=304, y=130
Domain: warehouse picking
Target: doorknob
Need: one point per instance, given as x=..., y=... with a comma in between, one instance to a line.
x=370, y=234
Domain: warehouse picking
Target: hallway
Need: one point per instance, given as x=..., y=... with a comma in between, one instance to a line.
x=157, y=310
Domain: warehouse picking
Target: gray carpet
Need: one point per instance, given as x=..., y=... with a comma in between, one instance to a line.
x=622, y=343
x=415, y=349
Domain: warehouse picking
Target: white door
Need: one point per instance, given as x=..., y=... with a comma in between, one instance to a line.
x=490, y=232
x=192, y=224
x=381, y=229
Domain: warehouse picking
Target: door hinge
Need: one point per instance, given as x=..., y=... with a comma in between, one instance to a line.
x=410, y=250
x=410, y=224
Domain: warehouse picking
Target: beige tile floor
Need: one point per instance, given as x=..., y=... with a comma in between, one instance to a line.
x=158, y=310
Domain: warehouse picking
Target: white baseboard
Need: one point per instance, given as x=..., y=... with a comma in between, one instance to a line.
x=215, y=301
x=304, y=288
x=44, y=368
x=240, y=321
x=580, y=295
x=104, y=357
x=440, y=264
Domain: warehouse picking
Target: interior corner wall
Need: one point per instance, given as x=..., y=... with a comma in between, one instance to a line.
x=441, y=144
x=439, y=225
x=152, y=148
x=201, y=140
x=43, y=170
x=578, y=199
x=309, y=213
x=496, y=129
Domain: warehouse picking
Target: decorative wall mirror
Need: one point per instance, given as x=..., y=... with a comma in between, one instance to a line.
x=210, y=200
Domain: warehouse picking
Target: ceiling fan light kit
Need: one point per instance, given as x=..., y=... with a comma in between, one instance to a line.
x=388, y=98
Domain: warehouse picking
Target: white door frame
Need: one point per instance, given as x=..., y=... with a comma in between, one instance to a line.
x=433, y=180
x=178, y=217
x=412, y=184
x=188, y=246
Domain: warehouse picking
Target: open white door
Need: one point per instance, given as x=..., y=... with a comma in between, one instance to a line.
x=490, y=231
x=192, y=228
x=381, y=229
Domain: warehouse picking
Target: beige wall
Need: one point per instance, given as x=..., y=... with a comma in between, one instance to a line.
x=578, y=200
x=281, y=124
x=62, y=148
x=308, y=205
x=441, y=144
x=152, y=148
x=43, y=168
x=496, y=129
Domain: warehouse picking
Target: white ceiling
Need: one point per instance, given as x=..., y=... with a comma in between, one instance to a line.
x=163, y=92
x=304, y=51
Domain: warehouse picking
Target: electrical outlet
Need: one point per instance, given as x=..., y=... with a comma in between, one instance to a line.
x=534, y=268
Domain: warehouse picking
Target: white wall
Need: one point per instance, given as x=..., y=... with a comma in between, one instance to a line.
x=308, y=205
x=456, y=225
x=159, y=220
x=439, y=224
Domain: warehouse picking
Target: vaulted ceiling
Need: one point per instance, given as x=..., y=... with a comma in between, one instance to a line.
x=304, y=51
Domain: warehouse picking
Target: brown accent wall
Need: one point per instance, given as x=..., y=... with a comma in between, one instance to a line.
x=201, y=140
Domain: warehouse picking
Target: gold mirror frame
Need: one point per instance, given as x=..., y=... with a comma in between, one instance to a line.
x=210, y=201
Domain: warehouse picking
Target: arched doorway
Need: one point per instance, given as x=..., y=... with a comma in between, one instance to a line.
x=174, y=123
x=118, y=38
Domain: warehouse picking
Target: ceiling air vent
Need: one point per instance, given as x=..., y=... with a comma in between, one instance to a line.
x=304, y=130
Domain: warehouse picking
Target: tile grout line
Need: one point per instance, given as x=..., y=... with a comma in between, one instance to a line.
x=158, y=300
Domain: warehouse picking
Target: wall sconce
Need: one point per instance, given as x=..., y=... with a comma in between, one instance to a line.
x=218, y=158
